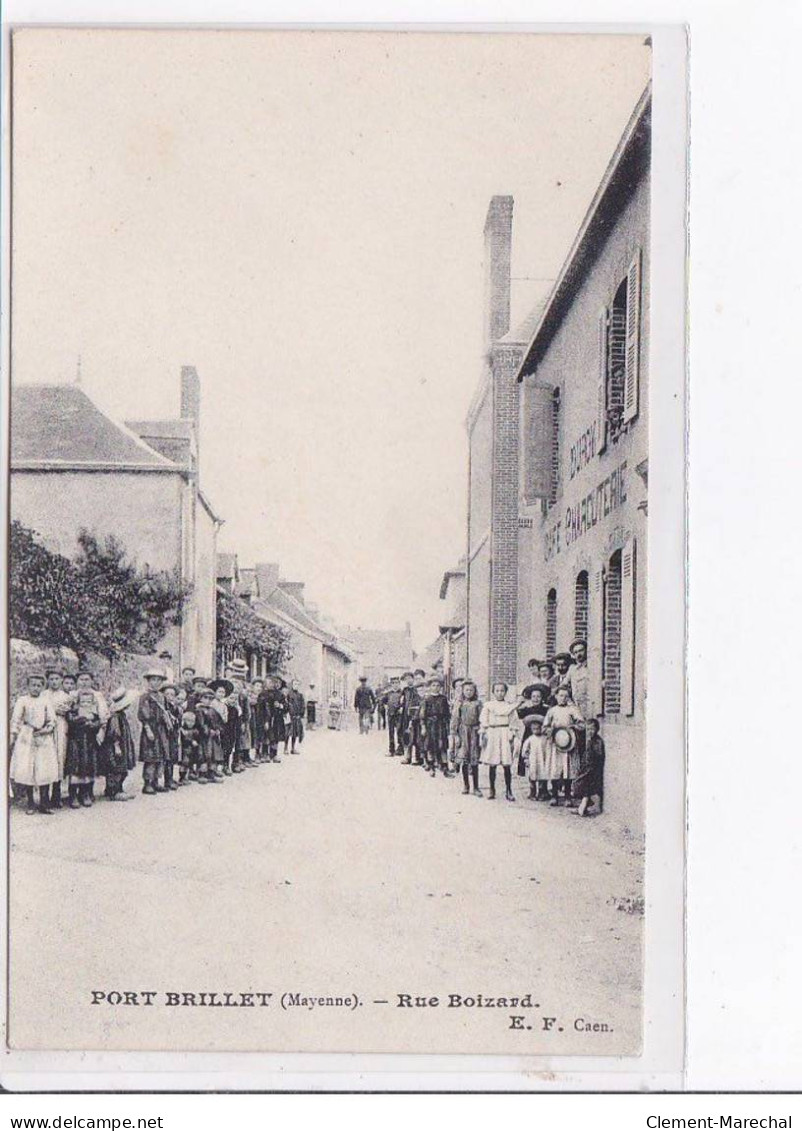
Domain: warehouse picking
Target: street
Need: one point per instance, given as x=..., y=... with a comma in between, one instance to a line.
x=339, y=872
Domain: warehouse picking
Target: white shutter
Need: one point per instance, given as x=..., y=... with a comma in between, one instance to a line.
x=596, y=640
x=538, y=440
x=628, y=628
x=631, y=374
x=604, y=319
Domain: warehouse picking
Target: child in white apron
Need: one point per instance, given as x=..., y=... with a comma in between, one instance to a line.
x=496, y=727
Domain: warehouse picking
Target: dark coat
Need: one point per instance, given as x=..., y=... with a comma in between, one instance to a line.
x=275, y=708
x=117, y=754
x=435, y=715
x=296, y=704
x=364, y=699
x=82, y=747
x=157, y=724
x=209, y=726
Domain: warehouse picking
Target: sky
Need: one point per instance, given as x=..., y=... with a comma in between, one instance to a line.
x=299, y=215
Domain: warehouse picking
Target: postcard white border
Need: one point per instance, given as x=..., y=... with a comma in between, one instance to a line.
x=661, y=1065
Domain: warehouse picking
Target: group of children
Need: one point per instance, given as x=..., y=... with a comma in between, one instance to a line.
x=65, y=734
x=545, y=731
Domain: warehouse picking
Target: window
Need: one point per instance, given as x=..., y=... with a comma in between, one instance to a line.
x=611, y=659
x=541, y=440
x=581, y=595
x=551, y=624
x=619, y=354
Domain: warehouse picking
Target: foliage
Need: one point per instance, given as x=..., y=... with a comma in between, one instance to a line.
x=100, y=602
x=240, y=630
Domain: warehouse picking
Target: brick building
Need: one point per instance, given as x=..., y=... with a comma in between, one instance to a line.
x=558, y=464
x=584, y=462
x=492, y=426
x=382, y=652
x=73, y=467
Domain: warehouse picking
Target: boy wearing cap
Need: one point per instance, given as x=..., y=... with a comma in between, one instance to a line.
x=154, y=738
x=364, y=704
x=170, y=693
x=410, y=723
x=296, y=706
x=435, y=719
x=237, y=673
x=393, y=707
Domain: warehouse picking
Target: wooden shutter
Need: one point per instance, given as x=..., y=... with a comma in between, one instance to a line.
x=631, y=371
x=596, y=641
x=538, y=440
x=628, y=628
x=604, y=319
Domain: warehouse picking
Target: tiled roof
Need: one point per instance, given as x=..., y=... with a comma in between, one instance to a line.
x=58, y=425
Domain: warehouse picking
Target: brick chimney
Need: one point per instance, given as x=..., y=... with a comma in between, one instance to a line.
x=498, y=268
x=190, y=395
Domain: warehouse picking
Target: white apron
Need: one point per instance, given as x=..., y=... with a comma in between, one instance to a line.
x=34, y=760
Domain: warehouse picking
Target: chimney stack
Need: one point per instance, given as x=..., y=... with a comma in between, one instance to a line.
x=267, y=577
x=498, y=268
x=190, y=395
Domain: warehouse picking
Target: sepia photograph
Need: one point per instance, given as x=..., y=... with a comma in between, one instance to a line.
x=329, y=437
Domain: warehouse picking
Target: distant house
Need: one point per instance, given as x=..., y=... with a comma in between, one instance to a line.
x=73, y=468
x=383, y=653
x=321, y=659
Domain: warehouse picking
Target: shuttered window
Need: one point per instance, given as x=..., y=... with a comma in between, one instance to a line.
x=554, y=488
x=628, y=627
x=619, y=357
x=604, y=319
x=581, y=605
x=631, y=375
x=612, y=636
x=551, y=624
x=596, y=640
x=539, y=433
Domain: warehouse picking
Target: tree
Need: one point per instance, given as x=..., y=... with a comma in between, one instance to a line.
x=100, y=602
x=240, y=629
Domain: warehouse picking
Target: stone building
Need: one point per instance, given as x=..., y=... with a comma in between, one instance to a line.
x=322, y=660
x=73, y=468
x=584, y=462
x=382, y=652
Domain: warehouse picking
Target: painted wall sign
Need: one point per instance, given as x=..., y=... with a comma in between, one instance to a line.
x=582, y=451
x=607, y=497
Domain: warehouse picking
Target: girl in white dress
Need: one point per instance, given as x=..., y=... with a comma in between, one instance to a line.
x=564, y=763
x=34, y=762
x=497, y=737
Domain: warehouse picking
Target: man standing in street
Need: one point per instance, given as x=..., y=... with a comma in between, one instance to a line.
x=296, y=705
x=364, y=704
x=410, y=720
x=578, y=679
x=393, y=708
